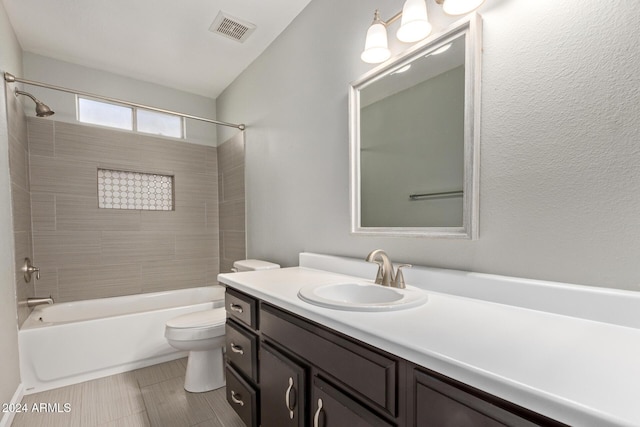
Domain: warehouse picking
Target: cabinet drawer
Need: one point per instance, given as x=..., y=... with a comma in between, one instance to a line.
x=242, y=398
x=241, y=307
x=242, y=350
x=364, y=372
x=331, y=408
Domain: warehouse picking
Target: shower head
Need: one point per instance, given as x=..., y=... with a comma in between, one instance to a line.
x=42, y=110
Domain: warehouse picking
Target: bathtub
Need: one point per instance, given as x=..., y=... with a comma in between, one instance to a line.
x=68, y=343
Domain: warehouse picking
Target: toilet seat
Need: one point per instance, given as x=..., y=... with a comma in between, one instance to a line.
x=198, y=325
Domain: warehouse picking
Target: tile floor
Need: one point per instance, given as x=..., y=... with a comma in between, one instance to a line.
x=147, y=397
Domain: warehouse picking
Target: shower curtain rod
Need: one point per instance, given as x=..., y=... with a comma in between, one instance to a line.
x=10, y=78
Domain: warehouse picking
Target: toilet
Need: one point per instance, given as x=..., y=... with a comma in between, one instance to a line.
x=201, y=333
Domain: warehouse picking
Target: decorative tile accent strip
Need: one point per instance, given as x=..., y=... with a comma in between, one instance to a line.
x=134, y=190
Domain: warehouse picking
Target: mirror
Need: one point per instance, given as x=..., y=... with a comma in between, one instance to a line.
x=414, y=132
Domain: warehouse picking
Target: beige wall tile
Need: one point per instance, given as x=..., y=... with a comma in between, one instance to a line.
x=212, y=216
x=125, y=247
x=102, y=281
x=40, y=133
x=231, y=153
x=164, y=154
x=233, y=245
x=185, y=218
x=54, y=175
x=226, y=265
x=18, y=163
x=70, y=229
x=21, y=208
x=192, y=187
x=88, y=143
x=232, y=215
x=43, y=211
x=82, y=213
x=233, y=184
x=66, y=248
x=213, y=269
x=48, y=283
x=211, y=156
x=197, y=245
x=180, y=274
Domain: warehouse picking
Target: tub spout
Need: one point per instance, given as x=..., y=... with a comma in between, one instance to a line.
x=32, y=302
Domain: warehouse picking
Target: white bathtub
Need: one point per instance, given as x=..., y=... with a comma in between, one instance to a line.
x=68, y=343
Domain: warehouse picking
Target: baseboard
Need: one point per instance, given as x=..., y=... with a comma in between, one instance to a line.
x=7, y=417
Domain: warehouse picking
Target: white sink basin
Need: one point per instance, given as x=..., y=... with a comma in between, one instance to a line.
x=362, y=296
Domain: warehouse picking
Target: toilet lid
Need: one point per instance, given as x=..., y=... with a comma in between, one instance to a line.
x=199, y=319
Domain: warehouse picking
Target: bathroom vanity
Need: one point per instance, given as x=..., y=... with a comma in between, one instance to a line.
x=454, y=360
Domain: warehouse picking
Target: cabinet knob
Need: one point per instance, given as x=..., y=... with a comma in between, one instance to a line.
x=287, y=398
x=316, y=416
x=236, y=398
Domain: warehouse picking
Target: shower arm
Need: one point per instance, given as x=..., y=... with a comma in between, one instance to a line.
x=10, y=78
x=19, y=92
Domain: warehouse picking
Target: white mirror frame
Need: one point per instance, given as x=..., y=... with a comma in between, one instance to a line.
x=471, y=27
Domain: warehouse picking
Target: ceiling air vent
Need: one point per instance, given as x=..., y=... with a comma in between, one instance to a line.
x=231, y=27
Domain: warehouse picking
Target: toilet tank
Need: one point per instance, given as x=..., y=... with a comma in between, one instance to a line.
x=253, y=265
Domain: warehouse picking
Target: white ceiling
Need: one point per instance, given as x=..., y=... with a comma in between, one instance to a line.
x=167, y=42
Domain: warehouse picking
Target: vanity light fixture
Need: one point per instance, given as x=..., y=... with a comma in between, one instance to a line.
x=414, y=26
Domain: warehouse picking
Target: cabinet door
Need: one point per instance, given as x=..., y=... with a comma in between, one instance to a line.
x=440, y=403
x=282, y=390
x=331, y=408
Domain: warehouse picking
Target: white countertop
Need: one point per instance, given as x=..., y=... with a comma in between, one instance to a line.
x=577, y=371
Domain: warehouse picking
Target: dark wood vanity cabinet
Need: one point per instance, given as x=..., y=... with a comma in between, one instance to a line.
x=288, y=371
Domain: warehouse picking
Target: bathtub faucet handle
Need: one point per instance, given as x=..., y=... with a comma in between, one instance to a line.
x=29, y=269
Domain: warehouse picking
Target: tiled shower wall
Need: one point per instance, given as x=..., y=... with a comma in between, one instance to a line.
x=20, y=197
x=232, y=201
x=85, y=252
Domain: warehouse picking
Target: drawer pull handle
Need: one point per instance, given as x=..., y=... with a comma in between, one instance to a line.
x=316, y=416
x=237, y=349
x=236, y=307
x=237, y=398
x=287, y=398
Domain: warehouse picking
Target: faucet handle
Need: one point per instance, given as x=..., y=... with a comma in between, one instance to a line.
x=399, y=280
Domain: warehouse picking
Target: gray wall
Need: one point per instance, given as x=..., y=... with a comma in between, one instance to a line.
x=10, y=59
x=559, y=181
x=232, y=203
x=85, y=252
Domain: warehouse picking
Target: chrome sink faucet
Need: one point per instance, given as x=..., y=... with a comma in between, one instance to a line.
x=385, y=276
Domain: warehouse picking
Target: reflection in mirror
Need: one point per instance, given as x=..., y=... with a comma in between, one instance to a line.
x=413, y=142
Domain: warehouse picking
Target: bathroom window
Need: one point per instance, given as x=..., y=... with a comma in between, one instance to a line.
x=159, y=123
x=134, y=190
x=105, y=114
x=130, y=118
